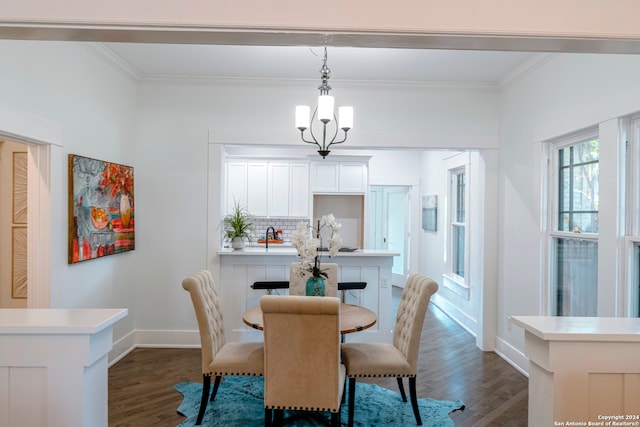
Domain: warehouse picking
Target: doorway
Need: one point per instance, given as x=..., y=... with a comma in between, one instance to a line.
x=389, y=208
x=43, y=142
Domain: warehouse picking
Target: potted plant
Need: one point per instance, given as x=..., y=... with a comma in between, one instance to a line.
x=238, y=226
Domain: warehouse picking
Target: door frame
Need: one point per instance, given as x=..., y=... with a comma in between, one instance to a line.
x=44, y=141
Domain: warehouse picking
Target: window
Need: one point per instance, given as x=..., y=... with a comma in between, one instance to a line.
x=458, y=222
x=457, y=214
x=573, y=237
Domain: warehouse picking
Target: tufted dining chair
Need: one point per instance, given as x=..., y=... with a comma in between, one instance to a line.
x=218, y=358
x=302, y=369
x=298, y=279
x=399, y=359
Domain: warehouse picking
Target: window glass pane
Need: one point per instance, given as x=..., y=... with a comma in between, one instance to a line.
x=457, y=239
x=564, y=224
x=585, y=222
x=576, y=277
x=587, y=151
x=460, y=188
x=585, y=187
x=563, y=157
x=578, y=187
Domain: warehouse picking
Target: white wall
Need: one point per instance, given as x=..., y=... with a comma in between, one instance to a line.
x=462, y=305
x=568, y=93
x=96, y=108
x=178, y=119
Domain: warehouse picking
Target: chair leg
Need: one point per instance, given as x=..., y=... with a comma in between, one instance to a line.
x=352, y=399
x=335, y=419
x=414, y=400
x=401, y=387
x=344, y=392
x=278, y=417
x=268, y=417
x=215, y=388
x=206, y=385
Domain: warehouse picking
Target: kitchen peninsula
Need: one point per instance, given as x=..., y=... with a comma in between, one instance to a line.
x=240, y=269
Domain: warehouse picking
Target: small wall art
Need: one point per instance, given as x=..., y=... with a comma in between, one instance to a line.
x=101, y=209
x=430, y=212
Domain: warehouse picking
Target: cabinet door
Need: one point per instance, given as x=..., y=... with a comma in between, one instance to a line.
x=299, y=190
x=236, y=185
x=278, y=203
x=257, y=188
x=324, y=177
x=353, y=177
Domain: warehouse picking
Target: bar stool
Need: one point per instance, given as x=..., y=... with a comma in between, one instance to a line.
x=270, y=285
x=343, y=287
x=350, y=286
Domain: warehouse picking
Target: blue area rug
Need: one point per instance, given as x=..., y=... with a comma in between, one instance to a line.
x=239, y=402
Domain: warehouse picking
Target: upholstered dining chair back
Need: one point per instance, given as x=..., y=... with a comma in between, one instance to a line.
x=302, y=353
x=218, y=358
x=400, y=358
x=412, y=308
x=298, y=279
x=206, y=303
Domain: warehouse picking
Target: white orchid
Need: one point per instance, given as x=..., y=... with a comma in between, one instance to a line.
x=308, y=240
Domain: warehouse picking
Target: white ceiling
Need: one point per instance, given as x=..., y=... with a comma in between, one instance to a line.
x=346, y=63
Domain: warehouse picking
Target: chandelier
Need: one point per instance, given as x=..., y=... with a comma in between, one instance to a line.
x=324, y=111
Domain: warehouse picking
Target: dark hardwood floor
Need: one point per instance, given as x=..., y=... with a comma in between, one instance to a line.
x=450, y=367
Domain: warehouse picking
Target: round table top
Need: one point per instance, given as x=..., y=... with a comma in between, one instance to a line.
x=353, y=318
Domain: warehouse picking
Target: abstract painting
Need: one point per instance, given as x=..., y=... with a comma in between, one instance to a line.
x=101, y=209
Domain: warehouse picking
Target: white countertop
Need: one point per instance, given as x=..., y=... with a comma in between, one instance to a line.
x=58, y=321
x=556, y=328
x=290, y=251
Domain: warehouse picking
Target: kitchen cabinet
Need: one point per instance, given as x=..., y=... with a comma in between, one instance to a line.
x=268, y=188
x=278, y=183
x=299, y=193
x=257, y=188
x=236, y=189
x=247, y=186
x=339, y=177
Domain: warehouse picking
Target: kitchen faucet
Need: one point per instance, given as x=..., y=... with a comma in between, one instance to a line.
x=266, y=238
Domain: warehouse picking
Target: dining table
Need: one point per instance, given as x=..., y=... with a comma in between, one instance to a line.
x=353, y=318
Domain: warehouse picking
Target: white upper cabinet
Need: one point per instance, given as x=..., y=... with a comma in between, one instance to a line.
x=268, y=188
x=236, y=175
x=353, y=177
x=257, y=188
x=278, y=182
x=299, y=194
x=339, y=177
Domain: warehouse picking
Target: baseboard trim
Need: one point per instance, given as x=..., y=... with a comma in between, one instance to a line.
x=122, y=347
x=457, y=315
x=506, y=351
x=191, y=339
x=152, y=339
x=512, y=356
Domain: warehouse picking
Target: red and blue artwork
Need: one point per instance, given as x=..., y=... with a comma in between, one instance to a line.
x=101, y=209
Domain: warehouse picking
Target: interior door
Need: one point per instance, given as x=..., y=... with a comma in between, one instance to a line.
x=13, y=225
x=390, y=225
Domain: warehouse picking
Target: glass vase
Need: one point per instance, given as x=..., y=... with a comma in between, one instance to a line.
x=315, y=287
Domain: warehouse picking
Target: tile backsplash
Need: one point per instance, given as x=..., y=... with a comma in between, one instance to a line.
x=287, y=225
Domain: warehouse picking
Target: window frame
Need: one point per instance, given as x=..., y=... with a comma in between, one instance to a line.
x=455, y=165
x=631, y=261
x=552, y=233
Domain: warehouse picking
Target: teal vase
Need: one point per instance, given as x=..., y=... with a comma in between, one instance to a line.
x=315, y=287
